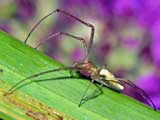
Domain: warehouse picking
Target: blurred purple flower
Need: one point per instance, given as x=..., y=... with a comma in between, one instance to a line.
x=150, y=83
x=145, y=53
x=5, y=27
x=149, y=12
x=78, y=54
x=104, y=48
x=155, y=45
x=126, y=7
x=94, y=8
x=26, y=9
x=130, y=42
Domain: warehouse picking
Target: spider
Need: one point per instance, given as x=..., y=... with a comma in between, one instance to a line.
x=86, y=68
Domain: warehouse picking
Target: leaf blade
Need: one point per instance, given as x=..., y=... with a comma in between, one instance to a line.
x=19, y=61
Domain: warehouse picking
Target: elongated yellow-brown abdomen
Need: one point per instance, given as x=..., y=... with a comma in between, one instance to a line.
x=109, y=79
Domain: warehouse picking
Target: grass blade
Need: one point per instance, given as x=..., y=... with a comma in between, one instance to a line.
x=53, y=98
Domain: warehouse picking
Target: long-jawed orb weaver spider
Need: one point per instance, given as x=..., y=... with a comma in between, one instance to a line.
x=86, y=68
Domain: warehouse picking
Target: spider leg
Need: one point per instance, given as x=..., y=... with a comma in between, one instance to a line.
x=66, y=34
x=71, y=16
x=14, y=87
x=94, y=94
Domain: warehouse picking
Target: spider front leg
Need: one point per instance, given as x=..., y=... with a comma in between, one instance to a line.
x=15, y=86
x=66, y=34
x=71, y=16
x=94, y=94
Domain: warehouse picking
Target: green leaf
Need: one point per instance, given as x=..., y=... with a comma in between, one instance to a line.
x=56, y=98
